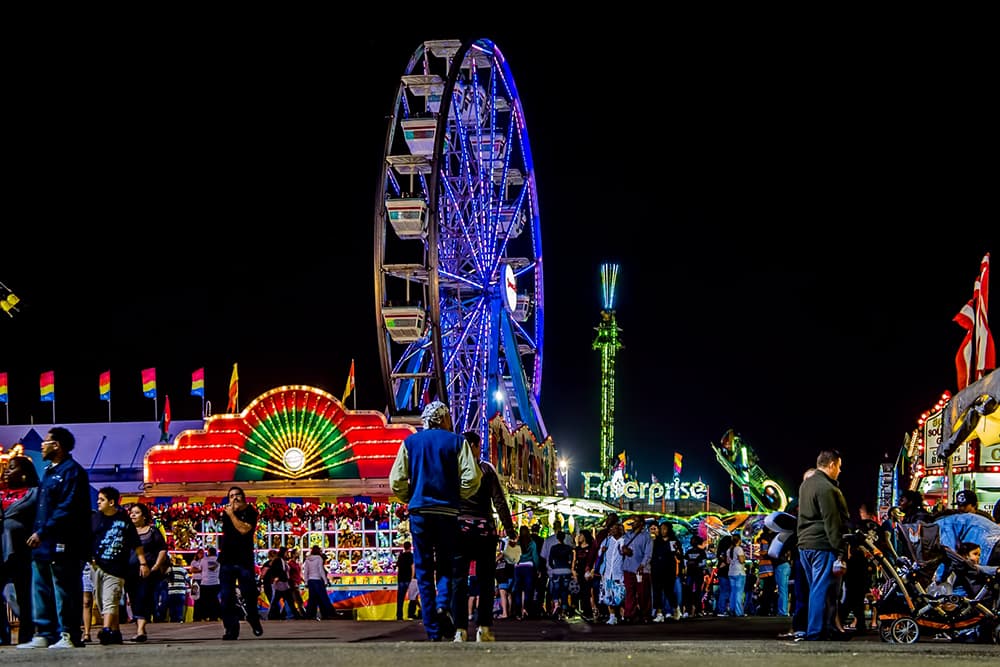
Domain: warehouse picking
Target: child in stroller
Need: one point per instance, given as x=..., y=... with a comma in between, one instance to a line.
x=962, y=573
x=905, y=608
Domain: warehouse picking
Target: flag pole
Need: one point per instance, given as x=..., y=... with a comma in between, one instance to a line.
x=155, y=411
x=53, y=408
x=109, y=409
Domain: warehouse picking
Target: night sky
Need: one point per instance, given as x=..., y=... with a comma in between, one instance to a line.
x=797, y=221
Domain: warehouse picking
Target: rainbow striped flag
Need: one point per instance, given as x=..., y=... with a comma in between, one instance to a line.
x=198, y=383
x=3, y=388
x=149, y=382
x=47, y=386
x=104, y=385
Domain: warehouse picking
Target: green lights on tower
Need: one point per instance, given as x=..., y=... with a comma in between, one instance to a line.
x=608, y=342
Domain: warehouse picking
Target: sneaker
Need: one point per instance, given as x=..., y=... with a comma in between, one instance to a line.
x=685, y=615
x=613, y=620
x=461, y=635
x=677, y=614
x=485, y=634
x=65, y=641
x=658, y=618
x=36, y=642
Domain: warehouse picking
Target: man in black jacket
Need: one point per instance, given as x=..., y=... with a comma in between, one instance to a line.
x=823, y=520
x=478, y=542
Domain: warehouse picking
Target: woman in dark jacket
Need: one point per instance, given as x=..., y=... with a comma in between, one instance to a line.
x=17, y=512
x=663, y=569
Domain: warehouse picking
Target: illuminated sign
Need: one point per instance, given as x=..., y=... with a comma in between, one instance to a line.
x=596, y=486
x=933, y=436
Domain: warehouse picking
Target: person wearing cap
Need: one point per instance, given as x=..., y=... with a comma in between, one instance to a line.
x=956, y=527
x=967, y=501
x=637, y=552
x=434, y=471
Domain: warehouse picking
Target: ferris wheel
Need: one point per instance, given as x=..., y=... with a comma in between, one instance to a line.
x=458, y=248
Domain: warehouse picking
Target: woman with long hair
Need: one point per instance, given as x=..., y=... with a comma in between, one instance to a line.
x=141, y=582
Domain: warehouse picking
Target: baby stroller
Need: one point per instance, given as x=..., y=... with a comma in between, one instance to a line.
x=905, y=610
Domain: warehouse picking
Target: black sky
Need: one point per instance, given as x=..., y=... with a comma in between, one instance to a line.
x=797, y=221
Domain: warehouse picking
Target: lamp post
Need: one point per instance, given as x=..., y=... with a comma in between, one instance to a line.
x=564, y=477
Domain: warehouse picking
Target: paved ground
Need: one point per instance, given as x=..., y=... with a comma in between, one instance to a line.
x=694, y=642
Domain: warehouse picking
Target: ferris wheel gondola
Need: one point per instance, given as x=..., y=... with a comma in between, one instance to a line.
x=458, y=249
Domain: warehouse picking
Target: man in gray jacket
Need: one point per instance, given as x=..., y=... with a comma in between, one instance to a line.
x=823, y=520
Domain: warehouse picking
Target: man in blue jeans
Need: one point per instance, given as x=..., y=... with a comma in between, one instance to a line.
x=59, y=545
x=823, y=520
x=434, y=471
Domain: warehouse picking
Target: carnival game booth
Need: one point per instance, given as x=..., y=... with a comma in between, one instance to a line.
x=966, y=428
x=317, y=473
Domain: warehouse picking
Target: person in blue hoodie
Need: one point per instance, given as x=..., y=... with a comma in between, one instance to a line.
x=433, y=472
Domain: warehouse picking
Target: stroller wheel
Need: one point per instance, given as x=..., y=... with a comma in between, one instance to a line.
x=885, y=631
x=905, y=630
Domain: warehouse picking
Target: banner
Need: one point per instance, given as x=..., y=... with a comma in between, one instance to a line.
x=234, y=391
x=149, y=382
x=47, y=386
x=198, y=383
x=104, y=386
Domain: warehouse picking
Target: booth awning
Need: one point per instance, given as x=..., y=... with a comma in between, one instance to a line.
x=564, y=505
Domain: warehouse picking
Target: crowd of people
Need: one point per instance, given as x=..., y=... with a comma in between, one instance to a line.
x=801, y=565
x=74, y=568
x=64, y=559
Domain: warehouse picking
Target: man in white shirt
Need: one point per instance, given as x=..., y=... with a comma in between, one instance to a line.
x=544, y=594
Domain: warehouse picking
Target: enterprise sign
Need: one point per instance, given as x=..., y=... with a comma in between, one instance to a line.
x=596, y=486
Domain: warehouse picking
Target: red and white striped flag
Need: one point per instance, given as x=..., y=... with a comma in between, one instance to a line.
x=976, y=354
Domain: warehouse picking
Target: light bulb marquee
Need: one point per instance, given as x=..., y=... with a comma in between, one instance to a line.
x=289, y=433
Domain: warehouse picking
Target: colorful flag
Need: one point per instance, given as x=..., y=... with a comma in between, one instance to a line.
x=678, y=458
x=234, y=391
x=47, y=386
x=977, y=353
x=350, y=383
x=165, y=421
x=198, y=383
x=3, y=387
x=104, y=385
x=149, y=382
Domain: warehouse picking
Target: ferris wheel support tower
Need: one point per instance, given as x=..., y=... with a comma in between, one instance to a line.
x=608, y=343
